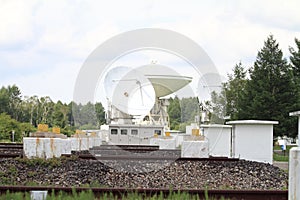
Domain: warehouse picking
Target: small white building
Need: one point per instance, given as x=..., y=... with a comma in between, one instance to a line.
x=253, y=140
x=219, y=139
x=128, y=134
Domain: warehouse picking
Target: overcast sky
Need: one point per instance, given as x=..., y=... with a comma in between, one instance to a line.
x=43, y=44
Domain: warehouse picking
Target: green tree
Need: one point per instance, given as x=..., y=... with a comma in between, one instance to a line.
x=174, y=112
x=217, y=107
x=84, y=116
x=14, y=105
x=10, y=101
x=100, y=114
x=45, y=109
x=295, y=61
x=270, y=92
x=189, y=109
x=234, y=91
x=59, y=115
x=4, y=100
x=7, y=126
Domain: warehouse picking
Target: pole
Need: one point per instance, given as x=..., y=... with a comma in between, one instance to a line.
x=298, y=131
x=13, y=136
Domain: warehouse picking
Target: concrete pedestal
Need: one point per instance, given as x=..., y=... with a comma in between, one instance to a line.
x=52, y=147
x=294, y=173
x=164, y=143
x=167, y=143
x=194, y=149
x=66, y=146
x=219, y=137
x=45, y=147
x=97, y=141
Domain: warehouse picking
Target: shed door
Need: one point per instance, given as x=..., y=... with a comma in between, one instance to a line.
x=134, y=136
x=114, y=135
x=123, y=138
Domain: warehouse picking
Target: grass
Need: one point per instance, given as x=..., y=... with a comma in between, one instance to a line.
x=281, y=157
x=106, y=196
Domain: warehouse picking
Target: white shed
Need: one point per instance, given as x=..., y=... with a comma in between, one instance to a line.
x=219, y=138
x=253, y=140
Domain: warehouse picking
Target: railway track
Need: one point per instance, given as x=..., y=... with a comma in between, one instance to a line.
x=11, y=150
x=113, y=152
x=119, y=192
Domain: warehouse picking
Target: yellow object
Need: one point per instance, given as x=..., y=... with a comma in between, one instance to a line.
x=43, y=127
x=168, y=134
x=56, y=130
x=195, y=132
x=93, y=134
x=79, y=131
x=155, y=135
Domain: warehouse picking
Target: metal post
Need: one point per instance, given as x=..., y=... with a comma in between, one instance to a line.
x=298, y=131
x=13, y=136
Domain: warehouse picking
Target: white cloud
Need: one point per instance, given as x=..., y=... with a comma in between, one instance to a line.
x=16, y=22
x=52, y=38
x=56, y=82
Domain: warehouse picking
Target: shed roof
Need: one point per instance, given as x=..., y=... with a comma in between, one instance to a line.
x=215, y=126
x=252, y=122
x=296, y=113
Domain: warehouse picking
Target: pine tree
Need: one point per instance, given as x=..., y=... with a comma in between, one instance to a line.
x=174, y=112
x=295, y=61
x=234, y=91
x=270, y=92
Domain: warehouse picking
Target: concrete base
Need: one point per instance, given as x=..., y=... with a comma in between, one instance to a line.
x=97, y=141
x=194, y=149
x=55, y=147
x=164, y=143
x=294, y=175
x=167, y=143
x=45, y=147
x=79, y=143
x=66, y=146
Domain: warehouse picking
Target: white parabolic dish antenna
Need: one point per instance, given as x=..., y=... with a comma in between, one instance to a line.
x=129, y=91
x=135, y=91
x=164, y=80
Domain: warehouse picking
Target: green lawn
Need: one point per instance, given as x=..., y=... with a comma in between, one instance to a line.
x=279, y=155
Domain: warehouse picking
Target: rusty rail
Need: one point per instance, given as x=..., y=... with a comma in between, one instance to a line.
x=145, y=157
x=118, y=192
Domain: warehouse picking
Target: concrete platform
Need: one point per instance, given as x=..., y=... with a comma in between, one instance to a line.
x=195, y=149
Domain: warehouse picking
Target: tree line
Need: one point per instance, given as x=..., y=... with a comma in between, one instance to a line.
x=23, y=114
x=268, y=90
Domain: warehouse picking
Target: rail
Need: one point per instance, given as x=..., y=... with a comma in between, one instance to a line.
x=118, y=192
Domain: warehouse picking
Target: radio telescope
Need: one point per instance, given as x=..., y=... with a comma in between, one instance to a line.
x=140, y=92
x=165, y=81
x=130, y=95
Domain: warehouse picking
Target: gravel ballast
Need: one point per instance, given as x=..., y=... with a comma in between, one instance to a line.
x=143, y=174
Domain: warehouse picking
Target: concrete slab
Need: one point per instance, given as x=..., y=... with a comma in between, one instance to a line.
x=195, y=149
